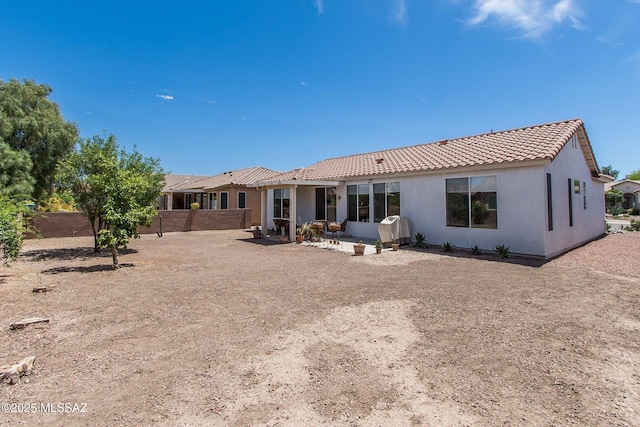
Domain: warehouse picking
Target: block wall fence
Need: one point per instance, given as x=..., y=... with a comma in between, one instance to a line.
x=70, y=224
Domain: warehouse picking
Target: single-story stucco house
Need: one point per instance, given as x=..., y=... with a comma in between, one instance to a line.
x=630, y=189
x=227, y=190
x=537, y=190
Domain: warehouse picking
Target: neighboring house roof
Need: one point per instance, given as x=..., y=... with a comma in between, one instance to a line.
x=627, y=182
x=176, y=182
x=533, y=143
x=238, y=177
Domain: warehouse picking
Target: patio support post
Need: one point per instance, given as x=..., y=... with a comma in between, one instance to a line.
x=169, y=201
x=292, y=214
x=263, y=212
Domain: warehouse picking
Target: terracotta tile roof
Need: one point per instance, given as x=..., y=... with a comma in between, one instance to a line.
x=609, y=185
x=540, y=142
x=174, y=182
x=235, y=177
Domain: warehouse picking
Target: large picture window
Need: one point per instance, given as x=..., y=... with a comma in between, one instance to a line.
x=472, y=202
x=386, y=200
x=358, y=202
x=281, y=203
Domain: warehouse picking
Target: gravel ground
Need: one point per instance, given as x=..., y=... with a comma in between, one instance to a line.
x=216, y=328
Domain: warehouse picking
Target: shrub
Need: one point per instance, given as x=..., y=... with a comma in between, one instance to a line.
x=448, y=246
x=635, y=225
x=634, y=211
x=195, y=205
x=615, y=210
x=502, y=251
x=476, y=250
x=421, y=241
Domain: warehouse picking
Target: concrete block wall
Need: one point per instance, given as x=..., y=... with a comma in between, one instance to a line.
x=71, y=224
x=60, y=224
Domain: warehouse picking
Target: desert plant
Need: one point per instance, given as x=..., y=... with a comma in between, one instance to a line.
x=633, y=211
x=635, y=225
x=379, y=243
x=195, y=206
x=421, y=241
x=475, y=250
x=448, y=246
x=615, y=210
x=502, y=251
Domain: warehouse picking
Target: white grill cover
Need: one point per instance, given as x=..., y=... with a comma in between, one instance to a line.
x=395, y=228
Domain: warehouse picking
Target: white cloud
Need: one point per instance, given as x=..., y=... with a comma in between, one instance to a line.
x=533, y=17
x=319, y=4
x=167, y=97
x=400, y=11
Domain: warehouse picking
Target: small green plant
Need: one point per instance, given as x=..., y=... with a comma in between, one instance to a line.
x=448, y=246
x=195, y=206
x=635, y=225
x=475, y=250
x=615, y=210
x=502, y=251
x=421, y=241
x=379, y=244
x=634, y=211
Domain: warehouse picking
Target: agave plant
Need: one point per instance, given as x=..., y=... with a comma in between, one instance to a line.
x=448, y=246
x=502, y=251
x=420, y=241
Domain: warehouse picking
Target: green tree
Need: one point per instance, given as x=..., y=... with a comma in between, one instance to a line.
x=85, y=173
x=609, y=170
x=31, y=123
x=12, y=228
x=15, y=173
x=117, y=190
x=635, y=175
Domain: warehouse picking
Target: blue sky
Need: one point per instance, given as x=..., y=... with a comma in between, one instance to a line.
x=211, y=86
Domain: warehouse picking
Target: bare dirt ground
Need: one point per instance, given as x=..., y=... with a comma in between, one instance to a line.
x=215, y=328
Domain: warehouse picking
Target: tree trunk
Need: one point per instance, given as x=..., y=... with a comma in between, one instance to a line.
x=114, y=255
x=96, y=248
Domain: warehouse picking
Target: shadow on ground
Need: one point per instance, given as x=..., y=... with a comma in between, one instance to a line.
x=88, y=269
x=68, y=254
x=262, y=242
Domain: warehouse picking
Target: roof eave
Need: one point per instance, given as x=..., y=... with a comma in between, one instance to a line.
x=293, y=182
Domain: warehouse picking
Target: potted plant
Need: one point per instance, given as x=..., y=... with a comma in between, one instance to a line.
x=395, y=245
x=378, y=246
x=301, y=231
x=358, y=248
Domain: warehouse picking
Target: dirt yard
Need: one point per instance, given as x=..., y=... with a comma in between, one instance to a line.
x=215, y=328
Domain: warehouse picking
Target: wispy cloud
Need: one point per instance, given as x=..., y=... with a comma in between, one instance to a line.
x=319, y=4
x=400, y=12
x=533, y=18
x=167, y=97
